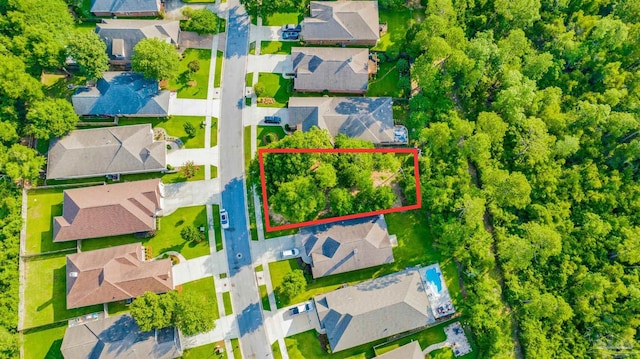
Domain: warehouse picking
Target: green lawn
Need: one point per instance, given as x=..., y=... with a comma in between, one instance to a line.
x=275, y=348
x=262, y=132
x=401, y=113
x=247, y=146
x=205, y=290
x=307, y=346
x=264, y=297
x=192, y=85
x=42, y=206
x=226, y=298
x=170, y=177
x=218, y=75
x=174, y=125
x=386, y=81
x=167, y=237
x=207, y=351
x=276, y=87
x=214, y=172
x=248, y=80
x=397, y=24
x=44, y=342
x=42, y=146
x=252, y=47
x=118, y=307
x=45, y=292
x=237, y=353
x=282, y=18
x=252, y=214
x=214, y=131
x=277, y=47
x=217, y=228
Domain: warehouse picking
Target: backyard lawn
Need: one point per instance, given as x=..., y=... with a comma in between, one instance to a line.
x=282, y=18
x=218, y=74
x=397, y=24
x=307, y=346
x=44, y=342
x=45, y=292
x=205, y=290
x=42, y=206
x=386, y=81
x=277, y=47
x=207, y=351
x=263, y=137
x=276, y=87
x=174, y=125
x=192, y=85
x=167, y=237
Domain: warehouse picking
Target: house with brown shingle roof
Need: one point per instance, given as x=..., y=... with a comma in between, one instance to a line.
x=108, y=210
x=347, y=245
x=374, y=309
x=112, y=274
x=342, y=22
x=105, y=151
x=339, y=70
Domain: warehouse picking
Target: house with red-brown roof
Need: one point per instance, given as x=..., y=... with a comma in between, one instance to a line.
x=113, y=274
x=108, y=210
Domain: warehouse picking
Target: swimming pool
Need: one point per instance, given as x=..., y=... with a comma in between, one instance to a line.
x=434, y=277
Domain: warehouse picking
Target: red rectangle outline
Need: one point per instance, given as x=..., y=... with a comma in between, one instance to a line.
x=265, y=202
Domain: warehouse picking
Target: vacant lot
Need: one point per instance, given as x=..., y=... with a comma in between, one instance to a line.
x=167, y=237
x=45, y=292
x=192, y=85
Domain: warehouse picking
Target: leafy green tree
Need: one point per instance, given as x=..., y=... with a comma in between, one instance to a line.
x=155, y=59
x=89, y=52
x=190, y=129
x=20, y=163
x=341, y=201
x=202, y=21
x=518, y=13
x=325, y=176
x=299, y=200
x=191, y=234
x=51, y=118
x=153, y=311
x=194, y=315
x=293, y=283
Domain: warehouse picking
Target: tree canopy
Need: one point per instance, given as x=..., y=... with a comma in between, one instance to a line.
x=155, y=59
x=89, y=52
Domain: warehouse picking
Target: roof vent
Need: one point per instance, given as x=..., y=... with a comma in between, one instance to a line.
x=73, y=274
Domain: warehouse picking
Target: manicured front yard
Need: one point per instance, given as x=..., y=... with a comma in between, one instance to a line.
x=174, y=126
x=282, y=18
x=193, y=85
x=263, y=138
x=44, y=342
x=45, y=292
x=207, y=351
x=167, y=237
x=205, y=290
x=277, y=47
x=276, y=87
x=42, y=206
x=307, y=346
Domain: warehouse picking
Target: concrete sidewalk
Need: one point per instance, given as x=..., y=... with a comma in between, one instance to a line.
x=226, y=328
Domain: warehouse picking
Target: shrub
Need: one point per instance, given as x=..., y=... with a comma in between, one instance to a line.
x=201, y=21
x=194, y=66
x=259, y=89
x=190, y=129
x=191, y=234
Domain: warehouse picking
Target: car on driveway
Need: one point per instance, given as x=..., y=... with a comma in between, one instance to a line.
x=305, y=307
x=290, y=253
x=290, y=35
x=291, y=28
x=272, y=119
x=224, y=218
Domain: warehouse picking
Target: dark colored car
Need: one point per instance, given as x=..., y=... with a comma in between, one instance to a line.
x=291, y=28
x=272, y=119
x=290, y=35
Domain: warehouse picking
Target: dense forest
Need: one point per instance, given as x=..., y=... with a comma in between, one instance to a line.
x=528, y=123
x=305, y=186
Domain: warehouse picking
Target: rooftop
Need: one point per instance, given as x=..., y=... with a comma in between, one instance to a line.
x=333, y=69
x=342, y=20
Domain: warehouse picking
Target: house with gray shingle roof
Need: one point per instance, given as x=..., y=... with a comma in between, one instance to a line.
x=374, y=309
x=104, y=151
x=122, y=94
x=124, y=8
x=108, y=210
x=340, y=70
x=342, y=22
x=367, y=118
x=347, y=245
x=119, y=337
x=112, y=274
x=407, y=351
x=121, y=36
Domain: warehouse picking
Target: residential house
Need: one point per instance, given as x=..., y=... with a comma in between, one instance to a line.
x=119, y=337
x=339, y=70
x=122, y=94
x=374, y=309
x=407, y=351
x=108, y=210
x=113, y=274
x=342, y=22
x=124, y=8
x=106, y=151
x=121, y=36
x=347, y=245
x=366, y=118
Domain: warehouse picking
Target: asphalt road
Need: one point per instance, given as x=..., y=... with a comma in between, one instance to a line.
x=244, y=287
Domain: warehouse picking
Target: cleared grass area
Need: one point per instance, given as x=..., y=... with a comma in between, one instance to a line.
x=263, y=138
x=214, y=131
x=247, y=147
x=44, y=342
x=235, y=344
x=397, y=24
x=174, y=125
x=282, y=18
x=193, y=85
x=217, y=227
x=226, y=298
x=45, y=292
x=264, y=298
x=204, y=289
x=386, y=81
x=276, y=87
x=207, y=351
x=42, y=206
x=218, y=74
x=167, y=237
x=307, y=346
x=277, y=47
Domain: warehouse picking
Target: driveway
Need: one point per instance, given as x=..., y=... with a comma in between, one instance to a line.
x=187, y=194
x=283, y=322
x=193, y=107
x=255, y=115
x=271, y=249
x=280, y=64
x=201, y=267
x=200, y=156
x=265, y=33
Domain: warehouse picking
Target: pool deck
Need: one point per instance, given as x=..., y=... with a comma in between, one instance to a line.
x=441, y=304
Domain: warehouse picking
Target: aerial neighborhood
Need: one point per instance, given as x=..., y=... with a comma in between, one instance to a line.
x=319, y=179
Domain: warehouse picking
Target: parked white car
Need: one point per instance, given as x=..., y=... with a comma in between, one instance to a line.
x=224, y=218
x=290, y=253
x=305, y=307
